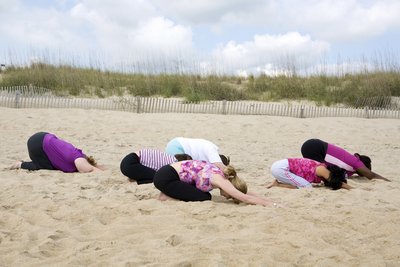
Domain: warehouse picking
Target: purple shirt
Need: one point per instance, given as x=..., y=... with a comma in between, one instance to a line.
x=61, y=154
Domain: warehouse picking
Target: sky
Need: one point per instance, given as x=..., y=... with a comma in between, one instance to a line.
x=238, y=37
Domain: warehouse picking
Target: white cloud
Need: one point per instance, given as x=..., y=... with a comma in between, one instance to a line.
x=324, y=19
x=114, y=30
x=285, y=51
x=206, y=11
x=37, y=28
x=259, y=36
x=347, y=20
x=161, y=34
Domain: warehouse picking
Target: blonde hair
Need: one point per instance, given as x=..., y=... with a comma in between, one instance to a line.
x=91, y=161
x=239, y=184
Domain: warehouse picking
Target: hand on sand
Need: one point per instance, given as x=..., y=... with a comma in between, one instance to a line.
x=276, y=205
x=272, y=184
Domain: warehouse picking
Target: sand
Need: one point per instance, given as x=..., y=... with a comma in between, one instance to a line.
x=50, y=218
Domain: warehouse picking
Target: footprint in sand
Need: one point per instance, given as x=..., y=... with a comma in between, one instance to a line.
x=174, y=240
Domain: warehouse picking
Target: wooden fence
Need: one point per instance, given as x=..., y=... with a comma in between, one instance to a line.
x=33, y=97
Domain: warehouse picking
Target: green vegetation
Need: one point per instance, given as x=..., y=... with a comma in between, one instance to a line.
x=322, y=89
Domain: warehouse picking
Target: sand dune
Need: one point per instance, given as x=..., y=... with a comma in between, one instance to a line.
x=49, y=218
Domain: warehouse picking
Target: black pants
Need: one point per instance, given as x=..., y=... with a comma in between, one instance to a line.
x=167, y=181
x=314, y=149
x=37, y=154
x=132, y=168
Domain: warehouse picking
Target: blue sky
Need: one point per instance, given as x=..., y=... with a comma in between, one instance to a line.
x=206, y=36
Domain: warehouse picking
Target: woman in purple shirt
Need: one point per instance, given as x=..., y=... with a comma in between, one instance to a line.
x=322, y=151
x=48, y=152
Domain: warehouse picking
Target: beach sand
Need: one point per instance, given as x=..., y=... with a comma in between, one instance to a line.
x=50, y=218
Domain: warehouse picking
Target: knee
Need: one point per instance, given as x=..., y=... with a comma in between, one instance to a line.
x=158, y=182
x=275, y=169
x=162, y=178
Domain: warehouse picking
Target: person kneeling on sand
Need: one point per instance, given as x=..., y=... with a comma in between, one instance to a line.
x=198, y=149
x=303, y=173
x=49, y=152
x=142, y=166
x=192, y=180
x=322, y=151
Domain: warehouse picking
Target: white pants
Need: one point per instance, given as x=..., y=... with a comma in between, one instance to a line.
x=280, y=170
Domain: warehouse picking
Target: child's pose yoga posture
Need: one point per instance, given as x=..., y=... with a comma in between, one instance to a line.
x=49, y=152
x=302, y=172
x=140, y=167
x=192, y=180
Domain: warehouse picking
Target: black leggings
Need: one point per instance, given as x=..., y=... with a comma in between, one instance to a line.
x=167, y=181
x=132, y=168
x=314, y=149
x=37, y=154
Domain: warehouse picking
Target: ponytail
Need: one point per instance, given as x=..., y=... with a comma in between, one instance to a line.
x=91, y=161
x=239, y=184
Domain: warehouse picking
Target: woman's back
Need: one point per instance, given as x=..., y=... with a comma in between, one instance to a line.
x=197, y=172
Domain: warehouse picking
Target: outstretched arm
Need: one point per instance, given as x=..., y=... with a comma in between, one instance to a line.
x=82, y=165
x=364, y=171
x=227, y=186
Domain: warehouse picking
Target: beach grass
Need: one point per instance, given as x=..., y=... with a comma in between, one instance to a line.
x=322, y=89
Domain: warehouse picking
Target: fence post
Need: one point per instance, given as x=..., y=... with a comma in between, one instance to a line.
x=224, y=107
x=138, y=104
x=301, y=112
x=17, y=99
x=366, y=112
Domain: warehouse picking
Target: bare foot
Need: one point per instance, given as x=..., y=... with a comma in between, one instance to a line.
x=272, y=184
x=16, y=165
x=164, y=197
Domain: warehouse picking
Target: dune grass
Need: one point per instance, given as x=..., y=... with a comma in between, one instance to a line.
x=323, y=89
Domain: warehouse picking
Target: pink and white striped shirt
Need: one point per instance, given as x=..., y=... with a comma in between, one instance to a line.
x=154, y=158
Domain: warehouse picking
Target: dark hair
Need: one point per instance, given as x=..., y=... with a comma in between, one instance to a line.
x=337, y=176
x=181, y=157
x=364, y=159
x=225, y=160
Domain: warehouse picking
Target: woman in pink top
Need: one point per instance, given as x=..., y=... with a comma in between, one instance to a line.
x=192, y=180
x=322, y=151
x=303, y=173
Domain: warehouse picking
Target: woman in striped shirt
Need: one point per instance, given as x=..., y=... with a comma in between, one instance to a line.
x=142, y=166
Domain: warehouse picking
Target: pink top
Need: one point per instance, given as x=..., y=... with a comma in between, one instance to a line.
x=199, y=173
x=305, y=168
x=345, y=160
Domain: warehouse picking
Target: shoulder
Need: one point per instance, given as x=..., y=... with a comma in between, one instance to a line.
x=217, y=180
